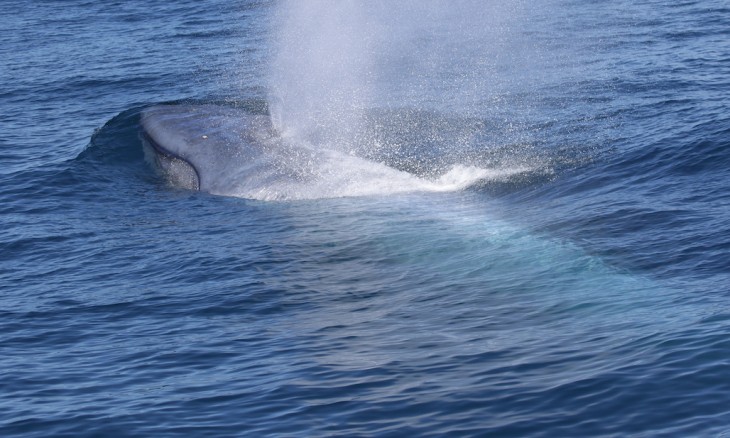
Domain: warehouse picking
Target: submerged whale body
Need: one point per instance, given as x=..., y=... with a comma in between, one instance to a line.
x=227, y=151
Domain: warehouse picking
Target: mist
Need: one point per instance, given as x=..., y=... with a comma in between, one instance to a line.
x=337, y=63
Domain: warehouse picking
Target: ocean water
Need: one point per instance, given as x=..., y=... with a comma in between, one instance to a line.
x=543, y=250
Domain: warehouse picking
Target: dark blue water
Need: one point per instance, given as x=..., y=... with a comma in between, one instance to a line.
x=582, y=293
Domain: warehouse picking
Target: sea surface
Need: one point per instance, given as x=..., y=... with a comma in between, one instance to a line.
x=574, y=281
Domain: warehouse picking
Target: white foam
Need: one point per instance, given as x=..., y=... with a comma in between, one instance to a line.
x=341, y=175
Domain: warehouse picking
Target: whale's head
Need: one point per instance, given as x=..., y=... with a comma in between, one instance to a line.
x=203, y=147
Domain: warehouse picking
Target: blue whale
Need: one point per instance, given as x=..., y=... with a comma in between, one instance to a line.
x=227, y=151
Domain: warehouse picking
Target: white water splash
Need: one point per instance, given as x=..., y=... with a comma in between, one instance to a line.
x=335, y=175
